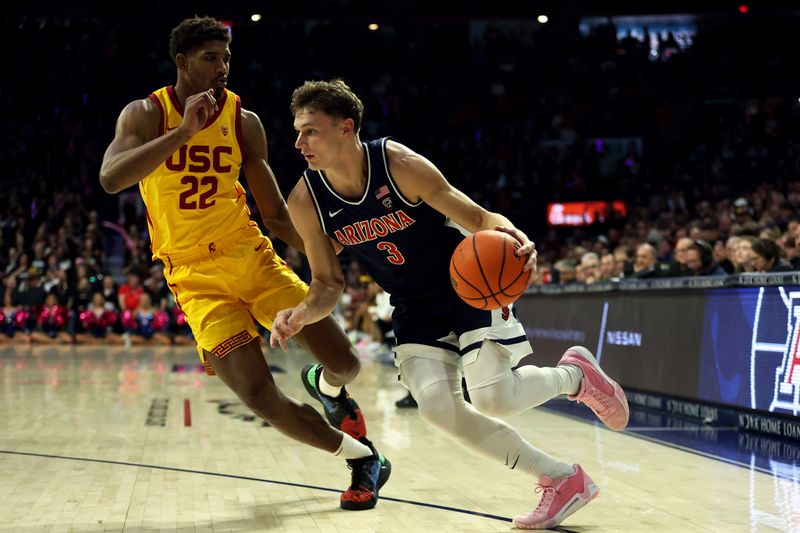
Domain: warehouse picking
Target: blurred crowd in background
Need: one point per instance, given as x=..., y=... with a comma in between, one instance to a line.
x=698, y=139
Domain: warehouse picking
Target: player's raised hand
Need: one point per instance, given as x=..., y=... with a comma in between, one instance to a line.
x=527, y=247
x=197, y=110
x=287, y=323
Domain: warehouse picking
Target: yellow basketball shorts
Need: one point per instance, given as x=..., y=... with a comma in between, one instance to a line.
x=224, y=285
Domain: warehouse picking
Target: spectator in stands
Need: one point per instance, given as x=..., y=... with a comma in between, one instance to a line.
x=680, y=252
x=743, y=212
x=644, y=265
x=62, y=289
x=146, y=324
x=80, y=297
x=13, y=317
x=607, y=266
x=580, y=274
x=564, y=272
x=591, y=267
x=700, y=260
x=130, y=293
x=12, y=262
x=110, y=291
x=743, y=256
x=721, y=256
x=791, y=252
x=39, y=259
x=97, y=321
x=32, y=298
x=51, y=323
x=729, y=263
x=155, y=285
x=767, y=257
x=623, y=266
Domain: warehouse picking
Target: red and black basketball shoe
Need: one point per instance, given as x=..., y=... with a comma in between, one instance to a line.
x=342, y=412
x=369, y=474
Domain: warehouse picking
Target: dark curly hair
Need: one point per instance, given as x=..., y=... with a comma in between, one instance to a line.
x=333, y=98
x=193, y=32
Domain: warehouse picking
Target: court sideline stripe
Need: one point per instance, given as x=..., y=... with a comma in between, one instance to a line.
x=249, y=478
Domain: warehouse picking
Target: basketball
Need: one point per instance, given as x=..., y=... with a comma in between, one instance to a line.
x=485, y=272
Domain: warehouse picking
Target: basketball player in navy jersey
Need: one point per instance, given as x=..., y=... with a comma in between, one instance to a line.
x=397, y=214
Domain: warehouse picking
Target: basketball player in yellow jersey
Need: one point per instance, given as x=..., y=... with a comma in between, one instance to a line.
x=185, y=145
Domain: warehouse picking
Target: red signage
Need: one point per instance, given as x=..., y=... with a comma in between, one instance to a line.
x=583, y=213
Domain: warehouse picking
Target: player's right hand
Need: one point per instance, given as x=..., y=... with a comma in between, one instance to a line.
x=197, y=110
x=287, y=324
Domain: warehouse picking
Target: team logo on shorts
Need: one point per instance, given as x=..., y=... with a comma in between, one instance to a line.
x=224, y=130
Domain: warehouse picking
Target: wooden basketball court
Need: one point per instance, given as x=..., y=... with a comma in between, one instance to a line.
x=108, y=439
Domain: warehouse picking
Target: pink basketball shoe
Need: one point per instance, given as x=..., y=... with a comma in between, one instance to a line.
x=602, y=394
x=560, y=498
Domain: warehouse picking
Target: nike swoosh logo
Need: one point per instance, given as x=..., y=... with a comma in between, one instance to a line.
x=334, y=213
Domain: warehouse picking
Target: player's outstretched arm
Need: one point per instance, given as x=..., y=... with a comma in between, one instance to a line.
x=419, y=179
x=262, y=183
x=327, y=280
x=137, y=150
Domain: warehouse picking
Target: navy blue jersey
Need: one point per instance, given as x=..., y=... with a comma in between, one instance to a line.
x=405, y=246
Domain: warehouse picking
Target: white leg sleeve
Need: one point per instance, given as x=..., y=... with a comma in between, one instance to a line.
x=436, y=386
x=496, y=390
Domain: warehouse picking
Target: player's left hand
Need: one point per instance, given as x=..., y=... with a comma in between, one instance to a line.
x=527, y=247
x=288, y=323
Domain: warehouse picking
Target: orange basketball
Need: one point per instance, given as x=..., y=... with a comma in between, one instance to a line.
x=485, y=272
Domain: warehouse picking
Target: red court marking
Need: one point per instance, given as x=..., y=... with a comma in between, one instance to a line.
x=187, y=413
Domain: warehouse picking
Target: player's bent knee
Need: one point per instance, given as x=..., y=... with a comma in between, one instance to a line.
x=344, y=369
x=438, y=410
x=491, y=402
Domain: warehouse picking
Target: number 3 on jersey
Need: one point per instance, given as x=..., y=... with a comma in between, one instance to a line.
x=186, y=199
x=393, y=254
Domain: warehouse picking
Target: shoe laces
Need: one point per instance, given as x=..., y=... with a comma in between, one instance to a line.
x=597, y=399
x=360, y=472
x=344, y=401
x=547, y=490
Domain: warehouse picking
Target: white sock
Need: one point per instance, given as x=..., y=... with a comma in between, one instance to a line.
x=571, y=381
x=350, y=448
x=326, y=388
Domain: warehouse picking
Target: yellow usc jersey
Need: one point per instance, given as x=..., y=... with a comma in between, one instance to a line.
x=195, y=197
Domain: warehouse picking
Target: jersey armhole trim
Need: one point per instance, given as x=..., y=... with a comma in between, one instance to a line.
x=316, y=202
x=390, y=178
x=238, y=126
x=162, y=128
